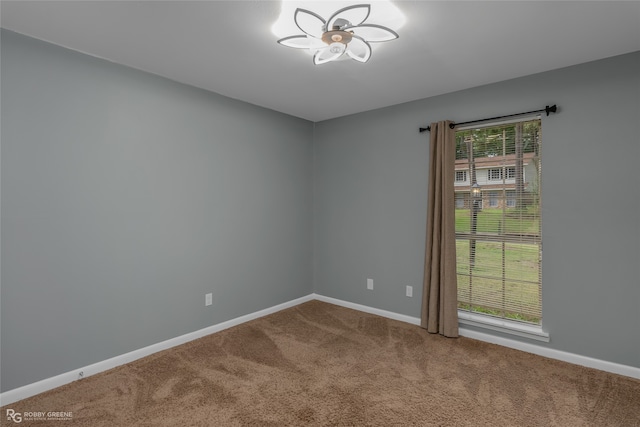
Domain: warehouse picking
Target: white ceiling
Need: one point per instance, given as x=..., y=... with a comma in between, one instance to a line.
x=228, y=47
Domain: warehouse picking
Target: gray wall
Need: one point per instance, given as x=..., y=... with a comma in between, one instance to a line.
x=370, y=184
x=126, y=197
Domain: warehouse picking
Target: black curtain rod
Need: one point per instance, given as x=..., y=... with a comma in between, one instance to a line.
x=547, y=109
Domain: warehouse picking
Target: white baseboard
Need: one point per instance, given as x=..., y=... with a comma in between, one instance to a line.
x=29, y=390
x=370, y=310
x=576, y=359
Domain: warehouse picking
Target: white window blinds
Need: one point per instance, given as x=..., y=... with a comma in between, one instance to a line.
x=498, y=241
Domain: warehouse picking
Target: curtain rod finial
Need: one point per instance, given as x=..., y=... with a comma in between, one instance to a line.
x=422, y=130
x=551, y=109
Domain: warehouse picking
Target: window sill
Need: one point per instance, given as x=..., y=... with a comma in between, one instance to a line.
x=501, y=325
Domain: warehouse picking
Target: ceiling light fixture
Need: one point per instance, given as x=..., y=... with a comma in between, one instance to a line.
x=345, y=32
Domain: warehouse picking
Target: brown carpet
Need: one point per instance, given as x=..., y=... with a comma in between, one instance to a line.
x=320, y=364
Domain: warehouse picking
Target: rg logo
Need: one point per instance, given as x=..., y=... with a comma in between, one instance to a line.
x=14, y=416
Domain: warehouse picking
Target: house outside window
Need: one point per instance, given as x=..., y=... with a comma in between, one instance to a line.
x=461, y=176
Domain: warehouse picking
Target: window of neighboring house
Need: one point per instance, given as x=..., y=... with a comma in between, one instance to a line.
x=498, y=240
x=461, y=176
x=494, y=174
x=459, y=200
x=493, y=199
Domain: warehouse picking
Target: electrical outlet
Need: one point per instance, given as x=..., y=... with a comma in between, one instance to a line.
x=208, y=299
x=410, y=291
x=370, y=284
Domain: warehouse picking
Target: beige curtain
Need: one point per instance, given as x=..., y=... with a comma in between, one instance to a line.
x=440, y=293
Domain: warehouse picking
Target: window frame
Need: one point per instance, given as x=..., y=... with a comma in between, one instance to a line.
x=467, y=317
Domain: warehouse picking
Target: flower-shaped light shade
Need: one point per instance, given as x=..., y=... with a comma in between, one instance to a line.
x=343, y=33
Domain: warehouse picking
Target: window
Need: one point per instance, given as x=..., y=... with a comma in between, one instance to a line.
x=498, y=240
x=493, y=199
x=461, y=176
x=494, y=174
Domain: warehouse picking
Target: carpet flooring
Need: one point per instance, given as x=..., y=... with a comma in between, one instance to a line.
x=323, y=365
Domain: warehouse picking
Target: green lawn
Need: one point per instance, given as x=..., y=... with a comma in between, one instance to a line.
x=490, y=220
x=501, y=286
